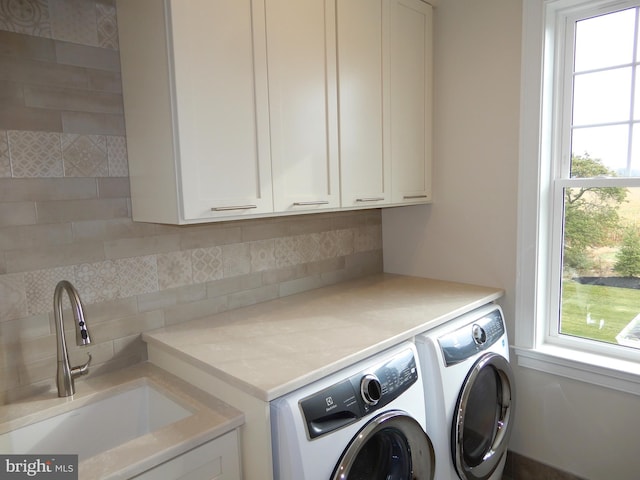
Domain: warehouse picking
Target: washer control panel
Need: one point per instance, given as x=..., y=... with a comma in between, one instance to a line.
x=474, y=337
x=351, y=399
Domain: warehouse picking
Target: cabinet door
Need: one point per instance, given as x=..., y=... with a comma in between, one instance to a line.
x=411, y=78
x=221, y=107
x=363, y=82
x=303, y=104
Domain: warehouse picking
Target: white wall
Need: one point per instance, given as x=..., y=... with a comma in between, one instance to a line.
x=468, y=234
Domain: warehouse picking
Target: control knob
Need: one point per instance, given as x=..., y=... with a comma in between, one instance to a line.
x=478, y=333
x=370, y=389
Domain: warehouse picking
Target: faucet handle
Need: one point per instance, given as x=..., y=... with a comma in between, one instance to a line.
x=81, y=369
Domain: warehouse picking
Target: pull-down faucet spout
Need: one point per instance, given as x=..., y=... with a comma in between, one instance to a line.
x=66, y=374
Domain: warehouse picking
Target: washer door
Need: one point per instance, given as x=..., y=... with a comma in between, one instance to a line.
x=392, y=446
x=482, y=421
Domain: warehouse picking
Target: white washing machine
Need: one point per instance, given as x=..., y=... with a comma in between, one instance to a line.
x=469, y=394
x=366, y=422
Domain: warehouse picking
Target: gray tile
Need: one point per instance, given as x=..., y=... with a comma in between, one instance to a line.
x=28, y=259
x=11, y=93
x=74, y=100
x=93, y=123
x=15, y=117
x=204, y=236
x=136, y=247
x=77, y=210
x=113, y=187
x=103, y=80
x=87, y=56
x=26, y=46
x=33, y=72
x=17, y=213
x=35, y=236
x=46, y=189
x=111, y=229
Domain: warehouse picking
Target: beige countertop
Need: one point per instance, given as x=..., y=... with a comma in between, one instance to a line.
x=209, y=419
x=275, y=347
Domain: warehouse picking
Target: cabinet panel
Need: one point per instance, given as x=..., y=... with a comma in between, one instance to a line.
x=303, y=104
x=195, y=108
x=411, y=102
x=224, y=143
x=218, y=459
x=363, y=81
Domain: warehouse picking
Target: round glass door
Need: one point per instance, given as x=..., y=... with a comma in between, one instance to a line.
x=393, y=446
x=482, y=425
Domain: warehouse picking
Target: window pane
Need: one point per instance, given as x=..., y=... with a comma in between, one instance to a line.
x=600, y=297
x=602, y=97
x=605, y=41
x=608, y=144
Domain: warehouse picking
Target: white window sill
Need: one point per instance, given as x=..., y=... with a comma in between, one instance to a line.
x=614, y=373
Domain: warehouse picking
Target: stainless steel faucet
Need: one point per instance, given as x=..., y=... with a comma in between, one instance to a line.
x=66, y=374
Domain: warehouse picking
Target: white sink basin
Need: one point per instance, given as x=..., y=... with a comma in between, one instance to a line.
x=98, y=426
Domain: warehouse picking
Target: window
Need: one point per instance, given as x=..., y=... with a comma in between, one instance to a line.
x=578, y=300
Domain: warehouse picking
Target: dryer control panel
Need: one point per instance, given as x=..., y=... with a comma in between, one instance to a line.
x=474, y=337
x=351, y=399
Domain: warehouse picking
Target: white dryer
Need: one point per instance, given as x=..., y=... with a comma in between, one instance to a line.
x=365, y=422
x=469, y=394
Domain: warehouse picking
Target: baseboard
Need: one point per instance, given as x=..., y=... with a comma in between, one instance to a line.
x=519, y=467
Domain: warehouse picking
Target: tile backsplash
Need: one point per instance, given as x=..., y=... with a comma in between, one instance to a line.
x=65, y=211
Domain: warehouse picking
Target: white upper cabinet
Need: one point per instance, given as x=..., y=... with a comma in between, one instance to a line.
x=411, y=101
x=363, y=86
x=249, y=108
x=195, y=92
x=301, y=50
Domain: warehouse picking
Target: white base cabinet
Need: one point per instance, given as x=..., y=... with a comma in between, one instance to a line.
x=250, y=108
x=218, y=459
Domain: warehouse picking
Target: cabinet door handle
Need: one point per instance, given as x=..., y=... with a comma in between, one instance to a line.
x=315, y=202
x=410, y=197
x=233, y=207
x=372, y=199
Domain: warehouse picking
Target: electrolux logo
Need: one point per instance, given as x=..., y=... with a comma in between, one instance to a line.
x=51, y=467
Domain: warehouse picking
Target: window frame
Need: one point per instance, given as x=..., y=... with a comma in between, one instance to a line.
x=545, y=42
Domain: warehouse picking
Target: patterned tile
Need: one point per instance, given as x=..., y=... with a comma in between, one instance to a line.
x=35, y=154
x=344, y=242
x=287, y=252
x=236, y=259
x=117, y=154
x=327, y=244
x=97, y=282
x=5, y=163
x=26, y=16
x=137, y=275
x=263, y=255
x=368, y=238
x=174, y=269
x=40, y=285
x=309, y=247
x=84, y=155
x=107, y=25
x=13, y=297
x=206, y=264
x=74, y=21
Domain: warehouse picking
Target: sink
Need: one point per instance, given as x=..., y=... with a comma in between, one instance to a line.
x=98, y=426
